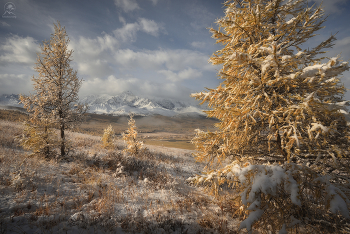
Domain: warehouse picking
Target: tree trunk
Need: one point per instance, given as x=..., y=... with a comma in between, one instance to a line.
x=46, y=148
x=62, y=132
x=62, y=140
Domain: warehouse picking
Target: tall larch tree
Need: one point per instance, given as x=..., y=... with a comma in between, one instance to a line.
x=55, y=102
x=278, y=103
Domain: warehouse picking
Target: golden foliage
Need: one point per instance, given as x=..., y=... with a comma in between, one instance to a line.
x=272, y=98
x=108, y=138
x=277, y=103
x=56, y=99
x=39, y=138
x=133, y=146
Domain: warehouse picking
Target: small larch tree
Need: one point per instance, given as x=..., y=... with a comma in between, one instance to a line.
x=108, y=137
x=55, y=101
x=133, y=145
x=283, y=140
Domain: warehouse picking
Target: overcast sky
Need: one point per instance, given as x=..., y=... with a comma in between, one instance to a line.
x=154, y=48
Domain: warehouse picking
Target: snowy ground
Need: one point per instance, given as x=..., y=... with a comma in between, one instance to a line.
x=99, y=191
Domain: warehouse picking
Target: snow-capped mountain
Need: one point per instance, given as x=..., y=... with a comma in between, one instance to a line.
x=124, y=104
x=10, y=100
x=127, y=102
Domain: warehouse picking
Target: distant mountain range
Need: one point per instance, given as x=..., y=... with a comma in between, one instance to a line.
x=10, y=100
x=124, y=104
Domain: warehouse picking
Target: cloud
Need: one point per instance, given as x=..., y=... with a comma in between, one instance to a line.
x=154, y=2
x=100, y=57
x=174, y=60
x=95, y=46
x=127, y=5
x=198, y=44
x=92, y=56
x=14, y=84
x=186, y=74
x=128, y=32
x=96, y=56
x=95, y=68
x=104, y=47
x=149, y=26
x=111, y=85
x=145, y=88
x=200, y=15
x=107, y=68
x=19, y=49
x=122, y=19
x=343, y=46
x=331, y=6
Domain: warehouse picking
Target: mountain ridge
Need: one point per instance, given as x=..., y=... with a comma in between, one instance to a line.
x=124, y=104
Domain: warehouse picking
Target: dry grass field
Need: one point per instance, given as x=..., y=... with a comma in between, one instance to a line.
x=174, y=132
x=94, y=190
x=94, y=124
x=13, y=114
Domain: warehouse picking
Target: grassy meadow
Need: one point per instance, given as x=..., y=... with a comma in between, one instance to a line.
x=173, y=132
x=94, y=190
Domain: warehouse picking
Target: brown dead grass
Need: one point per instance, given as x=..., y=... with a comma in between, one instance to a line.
x=13, y=115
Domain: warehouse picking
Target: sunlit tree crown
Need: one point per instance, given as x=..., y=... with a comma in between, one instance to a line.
x=275, y=95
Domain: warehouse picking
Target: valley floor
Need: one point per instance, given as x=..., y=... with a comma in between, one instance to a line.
x=98, y=191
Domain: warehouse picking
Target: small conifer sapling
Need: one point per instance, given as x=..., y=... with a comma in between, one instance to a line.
x=133, y=145
x=108, y=138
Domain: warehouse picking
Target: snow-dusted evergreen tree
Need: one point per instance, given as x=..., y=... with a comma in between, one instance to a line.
x=108, y=137
x=55, y=102
x=277, y=103
x=133, y=145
